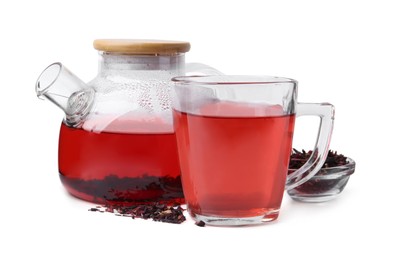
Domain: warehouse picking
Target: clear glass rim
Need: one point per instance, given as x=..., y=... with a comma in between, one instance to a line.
x=232, y=80
x=336, y=171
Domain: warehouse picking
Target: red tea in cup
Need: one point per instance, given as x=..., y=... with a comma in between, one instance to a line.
x=234, y=166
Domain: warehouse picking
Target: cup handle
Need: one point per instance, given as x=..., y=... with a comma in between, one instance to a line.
x=326, y=112
x=200, y=69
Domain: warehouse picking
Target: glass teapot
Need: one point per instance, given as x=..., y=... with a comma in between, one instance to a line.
x=117, y=141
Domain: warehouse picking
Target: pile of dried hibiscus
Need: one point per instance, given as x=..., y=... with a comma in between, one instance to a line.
x=156, y=212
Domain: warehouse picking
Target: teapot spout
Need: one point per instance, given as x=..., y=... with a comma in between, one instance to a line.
x=57, y=84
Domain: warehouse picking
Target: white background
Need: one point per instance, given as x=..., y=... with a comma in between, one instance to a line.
x=342, y=52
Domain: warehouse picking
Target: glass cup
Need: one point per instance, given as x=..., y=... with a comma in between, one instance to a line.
x=234, y=139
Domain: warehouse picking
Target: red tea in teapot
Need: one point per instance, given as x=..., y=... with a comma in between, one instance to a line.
x=117, y=143
x=120, y=167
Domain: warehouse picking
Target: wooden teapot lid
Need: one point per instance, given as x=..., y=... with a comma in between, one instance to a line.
x=130, y=46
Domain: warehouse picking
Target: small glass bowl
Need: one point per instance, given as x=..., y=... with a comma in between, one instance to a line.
x=326, y=185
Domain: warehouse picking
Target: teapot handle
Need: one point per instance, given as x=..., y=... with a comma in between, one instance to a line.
x=200, y=69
